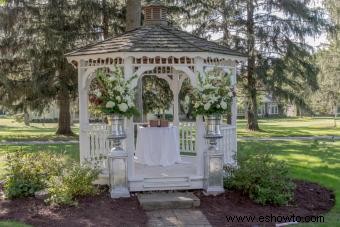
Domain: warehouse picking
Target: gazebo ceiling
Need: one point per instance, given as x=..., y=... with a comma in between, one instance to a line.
x=154, y=38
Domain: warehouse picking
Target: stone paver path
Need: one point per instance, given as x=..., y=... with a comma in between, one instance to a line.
x=177, y=217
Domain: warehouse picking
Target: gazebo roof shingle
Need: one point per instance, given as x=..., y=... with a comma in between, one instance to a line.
x=154, y=39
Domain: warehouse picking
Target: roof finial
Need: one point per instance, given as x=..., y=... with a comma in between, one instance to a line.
x=155, y=13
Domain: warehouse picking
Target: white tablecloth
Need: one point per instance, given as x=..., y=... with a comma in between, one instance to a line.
x=158, y=146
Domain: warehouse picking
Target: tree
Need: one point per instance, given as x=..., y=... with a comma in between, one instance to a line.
x=133, y=14
x=329, y=62
x=157, y=95
x=47, y=31
x=272, y=34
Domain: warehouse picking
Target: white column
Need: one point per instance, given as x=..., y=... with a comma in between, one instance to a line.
x=175, y=90
x=200, y=145
x=130, y=141
x=84, y=144
x=234, y=101
x=200, y=140
x=234, y=120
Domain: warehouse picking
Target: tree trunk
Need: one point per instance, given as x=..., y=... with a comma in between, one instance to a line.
x=26, y=117
x=64, y=123
x=281, y=109
x=105, y=19
x=133, y=14
x=252, y=122
x=335, y=114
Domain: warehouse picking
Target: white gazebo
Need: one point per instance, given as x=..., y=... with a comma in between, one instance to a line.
x=173, y=55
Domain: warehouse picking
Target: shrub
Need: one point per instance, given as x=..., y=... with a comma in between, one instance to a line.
x=74, y=182
x=27, y=173
x=263, y=178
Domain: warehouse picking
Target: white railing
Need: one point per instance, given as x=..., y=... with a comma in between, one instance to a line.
x=187, y=137
x=98, y=146
x=228, y=144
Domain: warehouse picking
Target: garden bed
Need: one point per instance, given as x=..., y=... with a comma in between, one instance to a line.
x=99, y=210
x=310, y=199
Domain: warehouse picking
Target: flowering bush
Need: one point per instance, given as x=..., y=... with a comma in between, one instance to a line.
x=113, y=95
x=213, y=94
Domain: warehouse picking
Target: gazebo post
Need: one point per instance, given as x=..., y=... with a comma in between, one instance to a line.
x=200, y=140
x=234, y=102
x=83, y=113
x=175, y=90
x=129, y=145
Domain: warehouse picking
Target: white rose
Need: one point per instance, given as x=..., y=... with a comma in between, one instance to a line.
x=230, y=94
x=218, y=106
x=123, y=107
x=224, y=105
x=207, y=106
x=118, y=98
x=110, y=104
x=98, y=94
x=130, y=103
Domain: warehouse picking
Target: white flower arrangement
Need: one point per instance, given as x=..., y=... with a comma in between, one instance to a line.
x=114, y=94
x=214, y=93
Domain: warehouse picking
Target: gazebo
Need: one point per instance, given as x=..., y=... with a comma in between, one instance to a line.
x=173, y=55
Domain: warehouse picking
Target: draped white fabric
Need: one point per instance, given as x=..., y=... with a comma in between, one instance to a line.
x=158, y=146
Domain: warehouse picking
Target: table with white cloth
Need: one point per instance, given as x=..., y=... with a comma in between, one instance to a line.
x=158, y=146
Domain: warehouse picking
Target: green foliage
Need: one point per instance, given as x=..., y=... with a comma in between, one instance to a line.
x=273, y=36
x=112, y=94
x=75, y=181
x=214, y=93
x=263, y=178
x=157, y=95
x=28, y=173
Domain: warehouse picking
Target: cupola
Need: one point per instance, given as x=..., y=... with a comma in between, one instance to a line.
x=155, y=13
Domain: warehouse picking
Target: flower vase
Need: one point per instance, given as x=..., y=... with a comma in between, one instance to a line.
x=213, y=126
x=117, y=130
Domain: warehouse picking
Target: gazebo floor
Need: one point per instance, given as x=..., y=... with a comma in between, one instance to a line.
x=185, y=169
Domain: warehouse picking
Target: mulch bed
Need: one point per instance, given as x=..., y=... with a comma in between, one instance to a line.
x=310, y=199
x=101, y=210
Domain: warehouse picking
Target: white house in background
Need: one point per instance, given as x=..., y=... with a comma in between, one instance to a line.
x=267, y=108
x=51, y=113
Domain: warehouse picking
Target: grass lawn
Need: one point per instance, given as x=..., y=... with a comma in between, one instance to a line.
x=306, y=126
x=312, y=161
x=10, y=130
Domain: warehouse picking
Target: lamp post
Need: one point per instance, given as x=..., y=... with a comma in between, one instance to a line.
x=213, y=157
x=117, y=159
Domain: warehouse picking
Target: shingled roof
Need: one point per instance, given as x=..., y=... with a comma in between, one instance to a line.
x=155, y=38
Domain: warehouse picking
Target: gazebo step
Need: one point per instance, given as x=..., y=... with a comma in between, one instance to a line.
x=165, y=200
x=167, y=182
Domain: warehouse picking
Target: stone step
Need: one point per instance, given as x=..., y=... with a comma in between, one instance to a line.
x=168, y=200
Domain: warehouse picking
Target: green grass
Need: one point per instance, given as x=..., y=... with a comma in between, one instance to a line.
x=70, y=152
x=292, y=127
x=12, y=224
x=11, y=130
x=308, y=160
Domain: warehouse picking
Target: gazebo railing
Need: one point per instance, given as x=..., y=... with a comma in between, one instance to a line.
x=187, y=137
x=98, y=146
